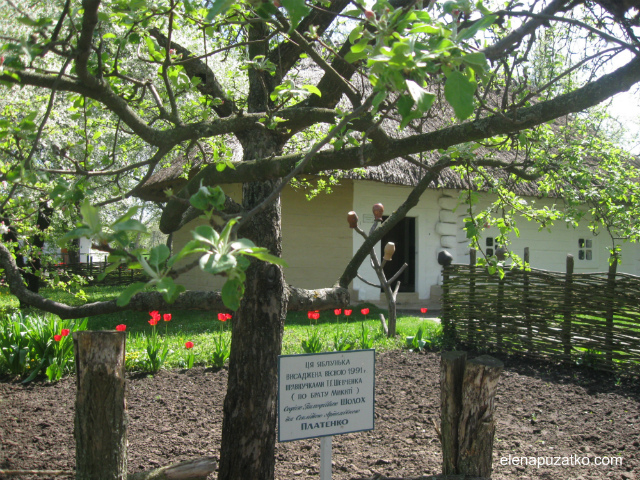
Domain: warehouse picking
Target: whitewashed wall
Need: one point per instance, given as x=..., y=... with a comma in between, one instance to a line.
x=316, y=239
x=549, y=249
x=365, y=195
x=440, y=225
x=317, y=242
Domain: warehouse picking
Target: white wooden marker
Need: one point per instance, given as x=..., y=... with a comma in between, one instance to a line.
x=325, y=394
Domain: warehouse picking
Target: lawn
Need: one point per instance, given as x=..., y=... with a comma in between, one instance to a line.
x=210, y=336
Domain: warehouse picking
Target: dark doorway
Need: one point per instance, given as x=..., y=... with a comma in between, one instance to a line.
x=403, y=235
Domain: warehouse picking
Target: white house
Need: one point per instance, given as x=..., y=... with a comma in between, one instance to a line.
x=318, y=243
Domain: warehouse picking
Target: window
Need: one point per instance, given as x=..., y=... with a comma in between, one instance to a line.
x=489, y=245
x=585, y=249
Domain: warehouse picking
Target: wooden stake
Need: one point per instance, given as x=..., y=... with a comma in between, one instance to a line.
x=477, y=426
x=101, y=417
x=452, y=365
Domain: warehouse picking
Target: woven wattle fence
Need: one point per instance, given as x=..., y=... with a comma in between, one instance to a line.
x=585, y=318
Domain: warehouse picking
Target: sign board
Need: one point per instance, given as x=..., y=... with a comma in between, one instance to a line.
x=325, y=394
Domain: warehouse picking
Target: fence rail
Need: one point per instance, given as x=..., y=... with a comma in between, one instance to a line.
x=91, y=271
x=591, y=318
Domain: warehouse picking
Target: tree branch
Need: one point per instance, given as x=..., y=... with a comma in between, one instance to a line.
x=299, y=299
x=351, y=270
x=511, y=41
x=209, y=84
x=89, y=22
x=580, y=99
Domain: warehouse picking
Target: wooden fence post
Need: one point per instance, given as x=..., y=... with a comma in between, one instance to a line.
x=526, y=301
x=471, y=327
x=477, y=426
x=568, y=310
x=451, y=375
x=611, y=300
x=467, y=397
x=101, y=417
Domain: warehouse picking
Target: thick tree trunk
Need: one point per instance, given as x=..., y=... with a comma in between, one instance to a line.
x=249, y=422
x=101, y=417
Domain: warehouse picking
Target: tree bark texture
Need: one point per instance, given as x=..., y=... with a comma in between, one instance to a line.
x=477, y=425
x=249, y=422
x=452, y=365
x=101, y=417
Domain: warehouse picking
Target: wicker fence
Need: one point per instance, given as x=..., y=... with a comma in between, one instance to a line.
x=591, y=318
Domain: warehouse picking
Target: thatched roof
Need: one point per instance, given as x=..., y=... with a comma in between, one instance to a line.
x=398, y=171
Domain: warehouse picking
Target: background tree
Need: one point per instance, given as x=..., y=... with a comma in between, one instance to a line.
x=99, y=95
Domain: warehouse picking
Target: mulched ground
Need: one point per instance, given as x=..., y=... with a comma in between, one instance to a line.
x=542, y=410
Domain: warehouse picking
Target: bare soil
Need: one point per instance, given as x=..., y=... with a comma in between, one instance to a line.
x=543, y=410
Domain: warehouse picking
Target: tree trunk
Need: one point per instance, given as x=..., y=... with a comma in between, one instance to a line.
x=249, y=422
x=101, y=419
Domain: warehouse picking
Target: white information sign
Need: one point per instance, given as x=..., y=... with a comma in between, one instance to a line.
x=325, y=394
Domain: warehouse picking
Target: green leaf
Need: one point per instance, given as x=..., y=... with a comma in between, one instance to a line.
x=91, y=216
x=75, y=233
x=242, y=245
x=312, y=89
x=267, y=257
x=481, y=24
x=206, y=234
x=217, y=263
x=130, y=291
x=423, y=99
x=169, y=289
x=192, y=247
x=110, y=268
x=158, y=255
x=232, y=292
x=297, y=10
x=354, y=57
x=459, y=90
x=219, y=6
x=131, y=225
x=476, y=60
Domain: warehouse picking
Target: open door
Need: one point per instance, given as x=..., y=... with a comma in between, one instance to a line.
x=403, y=236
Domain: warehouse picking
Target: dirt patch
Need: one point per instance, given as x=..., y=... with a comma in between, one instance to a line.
x=543, y=411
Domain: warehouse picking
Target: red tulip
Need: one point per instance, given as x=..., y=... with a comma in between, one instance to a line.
x=166, y=317
x=316, y=315
x=310, y=314
x=155, y=315
x=365, y=311
x=121, y=328
x=188, y=345
x=153, y=321
x=347, y=312
x=222, y=317
x=228, y=316
x=57, y=338
x=64, y=332
x=424, y=310
x=337, y=311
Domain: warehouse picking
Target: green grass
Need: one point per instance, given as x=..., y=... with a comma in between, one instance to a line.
x=203, y=328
